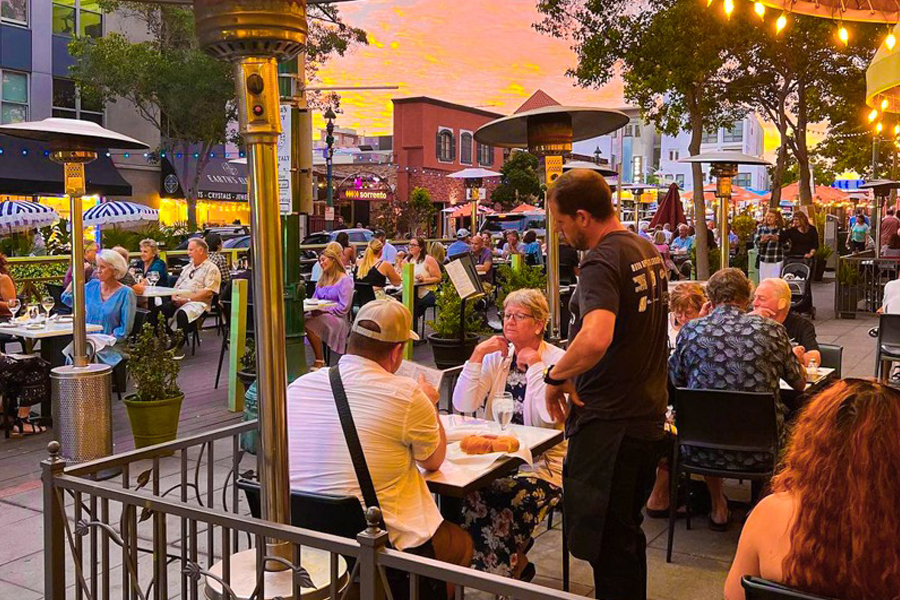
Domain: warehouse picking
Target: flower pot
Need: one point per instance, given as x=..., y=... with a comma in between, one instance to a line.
x=246, y=378
x=153, y=421
x=818, y=269
x=250, y=439
x=450, y=352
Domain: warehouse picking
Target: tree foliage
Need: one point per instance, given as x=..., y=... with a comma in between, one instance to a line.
x=187, y=95
x=674, y=57
x=419, y=210
x=520, y=181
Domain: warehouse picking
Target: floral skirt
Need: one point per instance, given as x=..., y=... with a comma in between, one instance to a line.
x=25, y=381
x=502, y=517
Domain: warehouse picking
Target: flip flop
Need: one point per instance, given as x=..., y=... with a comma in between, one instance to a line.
x=663, y=513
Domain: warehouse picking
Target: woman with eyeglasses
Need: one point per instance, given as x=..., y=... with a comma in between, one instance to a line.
x=830, y=527
x=512, y=363
x=427, y=272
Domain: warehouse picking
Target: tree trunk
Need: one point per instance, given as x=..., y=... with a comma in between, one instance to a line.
x=780, y=163
x=801, y=150
x=194, y=184
x=700, y=235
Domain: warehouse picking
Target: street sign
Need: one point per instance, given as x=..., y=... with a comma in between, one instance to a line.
x=329, y=213
x=285, y=189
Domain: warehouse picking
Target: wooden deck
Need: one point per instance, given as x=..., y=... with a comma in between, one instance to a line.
x=204, y=408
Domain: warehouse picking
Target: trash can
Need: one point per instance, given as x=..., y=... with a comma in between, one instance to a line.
x=82, y=411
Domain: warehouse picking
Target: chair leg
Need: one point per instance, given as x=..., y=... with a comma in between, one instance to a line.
x=565, y=552
x=673, y=500
x=221, y=359
x=550, y=518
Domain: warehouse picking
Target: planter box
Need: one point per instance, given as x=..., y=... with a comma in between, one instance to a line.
x=154, y=421
x=848, y=302
x=450, y=353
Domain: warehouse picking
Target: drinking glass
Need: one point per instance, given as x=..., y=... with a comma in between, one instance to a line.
x=14, y=305
x=813, y=367
x=503, y=407
x=47, y=303
x=153, y=277
x=138, y=278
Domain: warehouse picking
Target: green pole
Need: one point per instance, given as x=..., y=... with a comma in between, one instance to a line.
x=516, y=262
x=294, y=288
x=238, y=338
x=409, y=289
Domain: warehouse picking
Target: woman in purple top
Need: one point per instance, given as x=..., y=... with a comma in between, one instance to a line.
x=330, y=325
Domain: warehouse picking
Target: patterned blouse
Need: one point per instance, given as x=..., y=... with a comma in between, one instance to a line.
x=769, y=252
x=732, y=350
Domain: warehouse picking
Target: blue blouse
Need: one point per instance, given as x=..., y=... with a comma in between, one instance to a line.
x=115, y=315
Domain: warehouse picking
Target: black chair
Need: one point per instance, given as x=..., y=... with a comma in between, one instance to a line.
x=363, y=293
x=756, y=588
x=832, y=357
x=887, y=350
x=55, y=290
x=721, y=420
x=338, y=515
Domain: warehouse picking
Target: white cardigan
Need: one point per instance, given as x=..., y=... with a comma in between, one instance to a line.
x=478, y=384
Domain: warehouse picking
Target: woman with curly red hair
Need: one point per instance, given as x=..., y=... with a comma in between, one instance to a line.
x=831, y=527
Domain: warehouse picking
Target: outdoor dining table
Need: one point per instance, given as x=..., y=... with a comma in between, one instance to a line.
x=53, y=340
x=158, y=291
x=815, y=383
x=454, y=480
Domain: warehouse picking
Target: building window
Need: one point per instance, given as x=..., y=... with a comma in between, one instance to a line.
x=632, y=130
x=743, y=180
x=710, y=137
x=673, y=155
x=465, y=148
x=446, y=145
x=679, y=180
x=77, y=17
x=13, y=97
x=485, y=155
x=734, y=134
x=68, y=103
x=14, y=11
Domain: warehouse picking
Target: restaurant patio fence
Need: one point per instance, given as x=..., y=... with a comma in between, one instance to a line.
x=171, y=511
x=860, y=283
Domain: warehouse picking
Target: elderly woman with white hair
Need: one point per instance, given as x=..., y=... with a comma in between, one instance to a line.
x=109, y=304
x=501, y=518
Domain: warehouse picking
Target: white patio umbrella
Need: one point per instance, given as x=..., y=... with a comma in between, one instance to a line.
x=120, y=213
x=21, y=215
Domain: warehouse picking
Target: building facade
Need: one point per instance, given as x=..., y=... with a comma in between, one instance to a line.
x=643, y=152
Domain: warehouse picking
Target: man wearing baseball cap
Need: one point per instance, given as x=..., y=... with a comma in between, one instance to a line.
x=461, y=245
x=398, y=426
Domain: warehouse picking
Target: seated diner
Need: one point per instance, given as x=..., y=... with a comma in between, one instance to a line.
x=375, y=271
x=330, y=325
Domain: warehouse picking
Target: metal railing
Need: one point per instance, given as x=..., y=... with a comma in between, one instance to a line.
x=861, y=278
x=169, y=525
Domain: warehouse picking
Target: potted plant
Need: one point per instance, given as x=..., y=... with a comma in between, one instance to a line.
x=848, y=289
x=155, y=406
x=820, y=257
x=247, y=371
x=247, y=376
x=446, y=343
x=510, y=280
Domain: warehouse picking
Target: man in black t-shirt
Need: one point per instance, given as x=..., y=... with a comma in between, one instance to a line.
x=615, y=374
x=772, y=299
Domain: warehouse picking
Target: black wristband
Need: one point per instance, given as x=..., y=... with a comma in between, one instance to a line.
x=549, y=380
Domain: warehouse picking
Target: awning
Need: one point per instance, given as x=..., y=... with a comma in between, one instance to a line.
x=220, y=180
x=26, y=169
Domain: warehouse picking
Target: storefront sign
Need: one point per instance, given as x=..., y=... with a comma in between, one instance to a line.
x=475, y=194
x=373, y=195
x=285, y=190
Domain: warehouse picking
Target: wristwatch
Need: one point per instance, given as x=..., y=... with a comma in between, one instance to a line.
x=549, y=380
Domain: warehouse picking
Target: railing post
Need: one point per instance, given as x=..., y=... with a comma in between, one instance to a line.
x=371, y=542
x=54, y=519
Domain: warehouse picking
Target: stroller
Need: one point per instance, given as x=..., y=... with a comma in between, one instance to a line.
x=798, y=275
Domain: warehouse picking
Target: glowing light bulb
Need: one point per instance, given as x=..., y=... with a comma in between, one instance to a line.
x=760, y=9
x=843, y=34
x=878, y=127
x=729, y=7
x=709, y=3
x=897, y=129
x=884, y=104
x=890, y=41
x=873, y=115
x=781, y=23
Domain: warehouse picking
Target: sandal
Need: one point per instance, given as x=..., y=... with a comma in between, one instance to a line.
x=716, y=526
x=20, y=423
x=663, y=513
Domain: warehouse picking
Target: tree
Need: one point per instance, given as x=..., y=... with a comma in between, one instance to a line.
x=823, y=172
x=520, y=181
x=674, y=58
x=797, y=77
x=419, y=210
x=187, y=95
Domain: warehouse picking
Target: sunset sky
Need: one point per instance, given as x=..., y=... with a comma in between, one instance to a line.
x=475, y=52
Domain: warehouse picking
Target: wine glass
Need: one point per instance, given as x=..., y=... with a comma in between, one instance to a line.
x=34, y=312
x=13, y=304
x=153, y=277
x=503, y=407
x=47, y=303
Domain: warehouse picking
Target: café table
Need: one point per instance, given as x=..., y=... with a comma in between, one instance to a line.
x=158, y=291
x=53, y=340
x=815, y=383
x=453, y=480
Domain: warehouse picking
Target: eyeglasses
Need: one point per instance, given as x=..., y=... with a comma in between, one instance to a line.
x=517, y=317
x=411, y=244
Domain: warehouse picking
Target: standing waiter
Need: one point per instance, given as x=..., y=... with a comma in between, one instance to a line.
x=615, y=374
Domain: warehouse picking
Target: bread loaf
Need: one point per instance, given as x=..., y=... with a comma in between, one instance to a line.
x=482, y=444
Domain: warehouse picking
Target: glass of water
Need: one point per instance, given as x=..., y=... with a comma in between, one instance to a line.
x=503, y=407
x=152, y=278
x=13, y=304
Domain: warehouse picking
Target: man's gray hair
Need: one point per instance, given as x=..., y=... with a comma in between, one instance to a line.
x=728, y=286
x=200, y=242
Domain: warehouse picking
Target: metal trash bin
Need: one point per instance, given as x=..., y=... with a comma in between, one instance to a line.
x=82, y=411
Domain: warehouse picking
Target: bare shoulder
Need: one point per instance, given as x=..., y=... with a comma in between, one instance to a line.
x=771, y=518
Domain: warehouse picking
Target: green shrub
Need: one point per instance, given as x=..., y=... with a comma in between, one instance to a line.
x=21, y=273
x=447, y=324
x=152, y=364
x=510, y=280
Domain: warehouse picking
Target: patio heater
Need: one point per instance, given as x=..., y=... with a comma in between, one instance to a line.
x=82, y=391
x=548, y=133
x=724, y=166
x=881, y=189
x=473, y=178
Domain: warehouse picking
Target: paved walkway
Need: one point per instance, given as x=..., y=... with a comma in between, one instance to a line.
x=701, y=556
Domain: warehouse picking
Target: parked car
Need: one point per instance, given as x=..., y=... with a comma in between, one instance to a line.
x=237, y=242
x=499, y=223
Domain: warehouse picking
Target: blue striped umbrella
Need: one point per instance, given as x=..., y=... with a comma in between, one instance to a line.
x=16, y=215
x=118, y=212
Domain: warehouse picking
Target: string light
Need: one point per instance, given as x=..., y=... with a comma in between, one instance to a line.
x=873, y=115
x=878, y=127
x=843, y=34
x=760, y=9
x=890, y=41
x=897, y=129
x=884, y=104
x=729, y=7
x=781, y=23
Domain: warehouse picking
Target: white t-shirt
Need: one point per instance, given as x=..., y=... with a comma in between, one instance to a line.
x=397, y=426
x=891, y=302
